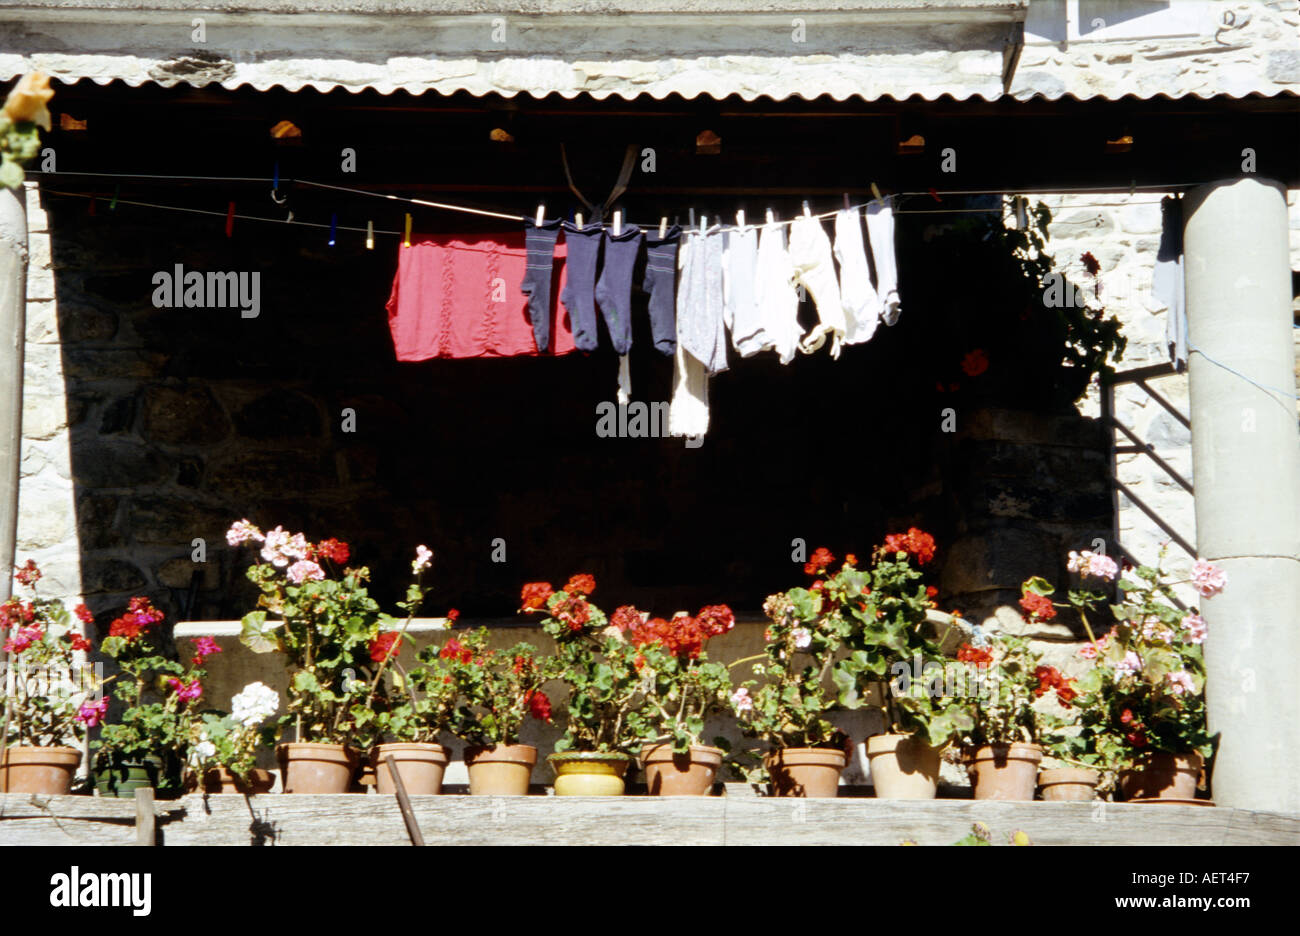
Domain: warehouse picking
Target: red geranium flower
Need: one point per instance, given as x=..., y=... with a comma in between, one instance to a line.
x=140, y=614
x=972, y=654
x=27, y=573
x=535, y=595
x=539, y=706
x=83, y=614
x=453, y=615
x=820, y=561
x=79, y=642
x=384, y=646
x=715, y=620
x=975, y=363
x=582, y=584
x=574, y=612
x=914, y=542
x=1039, y=606
x=332, y=549
x=455, y=650
x=931, y=591
x=625, y=618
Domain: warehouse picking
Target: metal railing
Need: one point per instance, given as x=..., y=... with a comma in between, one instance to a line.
x=1139, y=377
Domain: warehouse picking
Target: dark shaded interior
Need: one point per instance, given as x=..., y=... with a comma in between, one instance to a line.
x=187, y=419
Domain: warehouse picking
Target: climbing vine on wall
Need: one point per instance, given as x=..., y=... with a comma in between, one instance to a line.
x=24, y=111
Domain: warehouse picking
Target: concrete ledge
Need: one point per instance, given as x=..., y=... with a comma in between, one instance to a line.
x=630, y=820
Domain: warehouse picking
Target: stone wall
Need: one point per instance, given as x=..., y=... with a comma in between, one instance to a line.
x=1123, y=233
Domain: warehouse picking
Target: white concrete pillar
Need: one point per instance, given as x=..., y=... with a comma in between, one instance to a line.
x=1246, y=463
x=13, y=329
x=13, y=335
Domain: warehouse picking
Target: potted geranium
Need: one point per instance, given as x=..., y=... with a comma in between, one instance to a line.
x=893, y=651
x=223, y=746
x=493, y=693
x=414, y=715
x=682, y=689
x=1003, y=745
x=48, y=700
x=1072, y=768
x=1143, y=699
x=146, y=744
x=801, y=682
x=315, y=611
x=598, y=665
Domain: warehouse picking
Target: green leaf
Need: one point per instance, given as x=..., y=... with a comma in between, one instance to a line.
x=1039, y=586
x=258, y=634
x=848, y=688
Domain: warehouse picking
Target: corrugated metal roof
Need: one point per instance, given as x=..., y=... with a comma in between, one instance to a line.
x=796, y=49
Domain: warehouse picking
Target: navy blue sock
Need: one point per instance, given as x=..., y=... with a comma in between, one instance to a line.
x=660, y=280
x=536, y=286
x=614, y=288
x=579, y=296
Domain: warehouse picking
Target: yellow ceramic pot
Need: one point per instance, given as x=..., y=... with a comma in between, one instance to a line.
x=586, y=773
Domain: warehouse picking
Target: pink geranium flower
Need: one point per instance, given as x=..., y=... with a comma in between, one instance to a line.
x=186, y=692
x=1194, y=624
x=92, y=713
x=1208, y=578
x=305, y=570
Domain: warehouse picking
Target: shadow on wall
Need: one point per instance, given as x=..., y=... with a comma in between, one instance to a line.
x=186, y=419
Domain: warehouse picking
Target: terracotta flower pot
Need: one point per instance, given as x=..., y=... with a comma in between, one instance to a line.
x=1068, y=784
x=810, y=772
x=670, y=774
x=1162, y=776
x=316, y=768
x=1005, y=771
x=420, y=765
x=587, y=773
x=47, y=770
x=500, y=769
x=903, y=767
x=219, y=780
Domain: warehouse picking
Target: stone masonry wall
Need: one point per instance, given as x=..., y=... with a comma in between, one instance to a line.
x=1123, y=233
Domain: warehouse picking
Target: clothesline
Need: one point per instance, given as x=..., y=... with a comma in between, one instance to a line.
x=446, y=206
x=373, y=230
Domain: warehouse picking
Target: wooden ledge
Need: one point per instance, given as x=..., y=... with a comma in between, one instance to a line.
x=358, y=819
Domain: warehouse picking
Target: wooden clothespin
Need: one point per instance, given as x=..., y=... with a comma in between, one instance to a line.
x=740, y=218
x=1021, y=221
x=334, y=229
x=577, y=219
x=618, y=222
x=704, y=223
x=406, y=239
x=541, y=214
x=875, y=191
x=771, y=216
x=807, y=212
x=846, y=201
x=663, y=228
x=370, y=235
x=691, y=216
